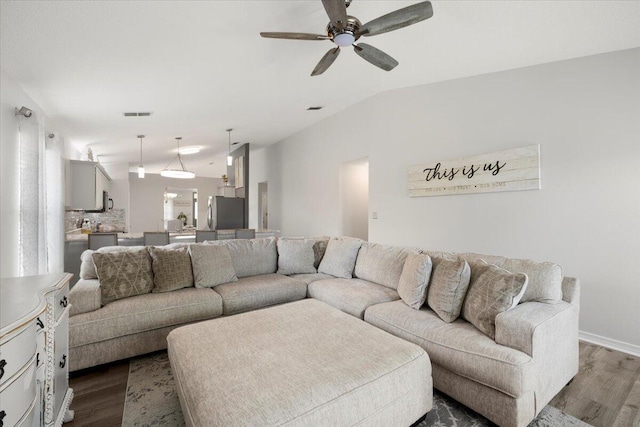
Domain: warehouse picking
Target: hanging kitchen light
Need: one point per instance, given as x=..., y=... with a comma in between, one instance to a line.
x=181, y=173
x=229, y=158
x=140, y=167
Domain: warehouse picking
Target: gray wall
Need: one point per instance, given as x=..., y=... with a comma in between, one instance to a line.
x=585, y=115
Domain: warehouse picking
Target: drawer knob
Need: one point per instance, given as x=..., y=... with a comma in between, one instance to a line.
x=64, y=302
x=39, y=323
x=63, y=362
x=3, y=363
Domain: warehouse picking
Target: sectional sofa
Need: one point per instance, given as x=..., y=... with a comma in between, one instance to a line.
x=502, y=334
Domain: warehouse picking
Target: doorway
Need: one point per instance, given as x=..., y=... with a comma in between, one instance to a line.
x=263, y=205
x=354, y=198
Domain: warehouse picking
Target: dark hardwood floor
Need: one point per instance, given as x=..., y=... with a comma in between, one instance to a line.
x=605, y=393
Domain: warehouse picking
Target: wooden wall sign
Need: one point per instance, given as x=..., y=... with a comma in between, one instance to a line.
x=509, y=170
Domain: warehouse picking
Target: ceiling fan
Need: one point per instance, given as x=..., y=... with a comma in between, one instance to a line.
x=344, y=30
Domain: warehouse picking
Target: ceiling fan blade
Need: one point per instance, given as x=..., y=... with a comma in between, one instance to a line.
x=398, y=19
x=326, y=61
x=294, y=36
x=337, y=11
x=375, y=56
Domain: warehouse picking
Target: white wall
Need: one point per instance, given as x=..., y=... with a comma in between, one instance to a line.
x=147, y=199
x=583, y=112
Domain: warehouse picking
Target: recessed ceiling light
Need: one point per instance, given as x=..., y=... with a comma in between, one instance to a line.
x=314, y=108
x=189, y=150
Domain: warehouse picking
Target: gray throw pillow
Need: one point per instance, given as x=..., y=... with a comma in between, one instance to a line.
x=123, y=274
x=414, y=280
x=171, y=268
x=492, y=291
x=340, y=257
x=212, y=265
x=448, y=287
x=295, y=256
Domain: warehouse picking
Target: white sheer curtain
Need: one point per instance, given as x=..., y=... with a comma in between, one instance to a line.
x=40, y=244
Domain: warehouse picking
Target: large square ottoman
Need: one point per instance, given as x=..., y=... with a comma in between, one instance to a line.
x=300, y=364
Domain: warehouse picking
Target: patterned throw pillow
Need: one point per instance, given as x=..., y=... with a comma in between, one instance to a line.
x=448, y=287
x=414, y=279
x=295, y=256
x=492, y=291
x=340, y=257
x=212, y=265
x=171, y=268
x=123, y=274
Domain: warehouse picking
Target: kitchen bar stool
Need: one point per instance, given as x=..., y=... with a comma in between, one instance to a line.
x=99, y=240
x=245, y=233
x=202, y=235
x=156, y=238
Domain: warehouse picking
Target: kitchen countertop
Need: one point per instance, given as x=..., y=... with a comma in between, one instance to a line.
x=76, y=236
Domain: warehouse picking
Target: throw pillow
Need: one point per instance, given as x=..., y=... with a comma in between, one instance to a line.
x=340, y=257
x=414, y=279
x=295, y=256
x=492, y=291
x=448, y=287
x=212, y=265
x=171, y=268
x=123, y=274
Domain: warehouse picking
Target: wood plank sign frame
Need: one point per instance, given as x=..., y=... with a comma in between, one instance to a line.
x=509, y=170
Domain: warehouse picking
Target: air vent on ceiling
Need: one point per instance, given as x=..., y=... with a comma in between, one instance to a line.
x=314, y=108
x=140, y=114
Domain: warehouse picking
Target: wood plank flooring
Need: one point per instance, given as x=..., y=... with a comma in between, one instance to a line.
x=605, y=393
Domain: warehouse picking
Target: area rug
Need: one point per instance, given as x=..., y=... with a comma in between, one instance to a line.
x=152, y=400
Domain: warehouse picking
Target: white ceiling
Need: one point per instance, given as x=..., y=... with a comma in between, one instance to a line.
x=201, y=67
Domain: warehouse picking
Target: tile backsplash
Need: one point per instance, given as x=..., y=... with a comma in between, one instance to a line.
x=115, y=218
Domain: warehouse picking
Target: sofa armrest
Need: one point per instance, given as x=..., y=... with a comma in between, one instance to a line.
x=85, y=296
x=571, y=290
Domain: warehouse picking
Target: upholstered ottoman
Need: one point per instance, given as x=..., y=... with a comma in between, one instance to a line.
x=299, y=364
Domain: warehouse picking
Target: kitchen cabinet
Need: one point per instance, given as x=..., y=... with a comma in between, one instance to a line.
x=86, y=183
x=227, y=191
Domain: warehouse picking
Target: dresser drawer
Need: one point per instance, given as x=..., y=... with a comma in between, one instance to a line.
x=19, y=395
x=16, y=351
x=60, y=301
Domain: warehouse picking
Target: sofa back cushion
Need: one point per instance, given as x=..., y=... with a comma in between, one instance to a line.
x=413, y=282
x=251, y=257
x=340, y=257
x=492, y=290
x=295, y=256
x=447, y=287
x=381, y=264
x=171, y=268
x=212, y=265
x=123, y=274
x=87, y=266
x=545, y=278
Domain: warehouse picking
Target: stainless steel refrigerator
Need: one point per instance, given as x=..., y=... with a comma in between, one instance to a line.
x=225, y=213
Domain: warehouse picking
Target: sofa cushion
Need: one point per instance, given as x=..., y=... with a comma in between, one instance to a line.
x=212, y=265
x=143, y=313
x=412, y=286
x=352, y=296
x=381, y=264
x=171, y=268
x=295, y=256
x=250, y=293
x=545, y=278
x=309, y=278
x=340, y=257
x=123, y=274
x=251, y=257
x=458, y=347
x=88, y=268
x=492, y=290
x=447, y=287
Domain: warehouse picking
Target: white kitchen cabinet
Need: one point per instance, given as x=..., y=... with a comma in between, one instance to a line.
x=227, y=191
x=34, y=348
x=86, y=182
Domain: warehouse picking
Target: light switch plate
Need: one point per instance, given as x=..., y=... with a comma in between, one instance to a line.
x=374, y=215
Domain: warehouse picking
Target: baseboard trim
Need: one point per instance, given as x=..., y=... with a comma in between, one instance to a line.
x=624, y=347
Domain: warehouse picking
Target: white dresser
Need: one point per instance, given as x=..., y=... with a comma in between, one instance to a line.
x=34, y=344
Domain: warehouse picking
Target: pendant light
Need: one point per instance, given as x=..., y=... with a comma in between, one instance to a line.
x=140, y=167
x=181, y=173
x=229, y=158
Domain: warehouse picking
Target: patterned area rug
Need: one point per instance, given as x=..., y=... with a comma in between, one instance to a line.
x=152, y=401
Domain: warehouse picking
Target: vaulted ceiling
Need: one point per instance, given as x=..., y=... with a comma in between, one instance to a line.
x=201, y=66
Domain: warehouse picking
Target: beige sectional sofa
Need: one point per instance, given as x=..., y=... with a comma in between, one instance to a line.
x=506, y=366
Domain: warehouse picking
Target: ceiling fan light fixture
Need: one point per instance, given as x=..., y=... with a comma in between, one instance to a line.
x=344, y=39
x=182, y=173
